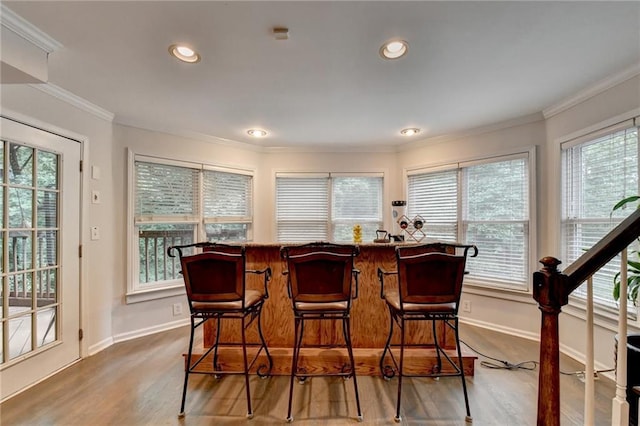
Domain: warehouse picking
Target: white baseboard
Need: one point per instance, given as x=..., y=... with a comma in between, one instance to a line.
x=123, y=337
x=581, y=358
x=100, y=346
x=566, y=350
x=501, y=329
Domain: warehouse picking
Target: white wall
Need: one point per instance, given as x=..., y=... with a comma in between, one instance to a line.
x=99, y=258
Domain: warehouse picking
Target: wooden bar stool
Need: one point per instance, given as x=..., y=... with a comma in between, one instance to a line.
x=429, y=286
x=320, y=277
x=215, y=284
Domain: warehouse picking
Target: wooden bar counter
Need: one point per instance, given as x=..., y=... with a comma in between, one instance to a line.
x=322, y=351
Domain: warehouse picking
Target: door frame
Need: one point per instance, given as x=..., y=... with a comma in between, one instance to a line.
x=82, y=214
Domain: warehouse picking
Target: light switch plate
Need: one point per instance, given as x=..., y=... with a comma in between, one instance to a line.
x=95, y=233
x=95, y=172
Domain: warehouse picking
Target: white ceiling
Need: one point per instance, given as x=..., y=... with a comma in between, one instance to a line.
x=470, y=64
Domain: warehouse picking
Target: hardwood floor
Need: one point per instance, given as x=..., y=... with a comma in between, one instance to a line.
x=139, y=382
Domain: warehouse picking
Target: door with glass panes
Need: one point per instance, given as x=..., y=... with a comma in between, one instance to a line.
x=39, y=255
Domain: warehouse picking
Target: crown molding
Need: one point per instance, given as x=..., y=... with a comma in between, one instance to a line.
x=74, y=100
x=217, y=140
x=315, y=149
x=257, y=148
x=592, y=91
x=16, y=23
x=514, y=122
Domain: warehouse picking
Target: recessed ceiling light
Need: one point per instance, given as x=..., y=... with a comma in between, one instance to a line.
x=257, y=133
x=184, y=53
x=394, y=49
x=409, y=132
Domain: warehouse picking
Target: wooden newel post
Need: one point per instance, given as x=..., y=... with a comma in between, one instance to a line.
x=550, y=291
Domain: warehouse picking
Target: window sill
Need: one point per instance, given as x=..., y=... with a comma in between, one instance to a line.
x=513, y=294
x=154, y=293
x=604, y=317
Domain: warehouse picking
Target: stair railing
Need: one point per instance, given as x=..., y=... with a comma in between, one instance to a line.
x=551, y=289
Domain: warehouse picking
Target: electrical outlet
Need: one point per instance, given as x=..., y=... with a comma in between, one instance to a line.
x=177, y=309
x=466, y=305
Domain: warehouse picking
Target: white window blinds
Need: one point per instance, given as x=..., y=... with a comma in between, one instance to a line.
x=227, y=195
x=166, y=191
x=325, y=207
x=356, y=200
x=434, y=196
x=302, y=208
x=496, y=217
x=596, y=175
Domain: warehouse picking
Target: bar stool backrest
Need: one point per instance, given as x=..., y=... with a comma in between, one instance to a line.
x=431, y=274
x=320, y=272
x=215, y=275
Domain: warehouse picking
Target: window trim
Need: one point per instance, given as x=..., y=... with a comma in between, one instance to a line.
x=175, y=287
x=519, y=152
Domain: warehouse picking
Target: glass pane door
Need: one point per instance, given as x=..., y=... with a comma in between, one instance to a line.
x=39, y=261
x=30, y=232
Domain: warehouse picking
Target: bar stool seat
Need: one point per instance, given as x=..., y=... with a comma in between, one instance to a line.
x=392, y=297
x=322, y=307
x=251, y=297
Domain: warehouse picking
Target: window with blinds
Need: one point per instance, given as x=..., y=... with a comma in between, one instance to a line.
x=178, y=203
x=485, y=203
x=495, y=216
x=597, y=172
x=356, y=200
x=325, y=207
x=302, y=208
x=227, y=205
x=434, y=196
x=164, y=191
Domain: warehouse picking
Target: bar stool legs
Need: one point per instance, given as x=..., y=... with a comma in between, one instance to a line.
x=388, y=372
x=187, y=369
x=297, y=341
x=468, y=419
x=263, y=371
x=349, y=371
x=346, y=329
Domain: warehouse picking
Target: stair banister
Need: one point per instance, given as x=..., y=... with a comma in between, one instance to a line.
x=551, y=289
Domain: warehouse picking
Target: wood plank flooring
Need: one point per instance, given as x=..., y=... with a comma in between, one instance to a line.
x=139, y=382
